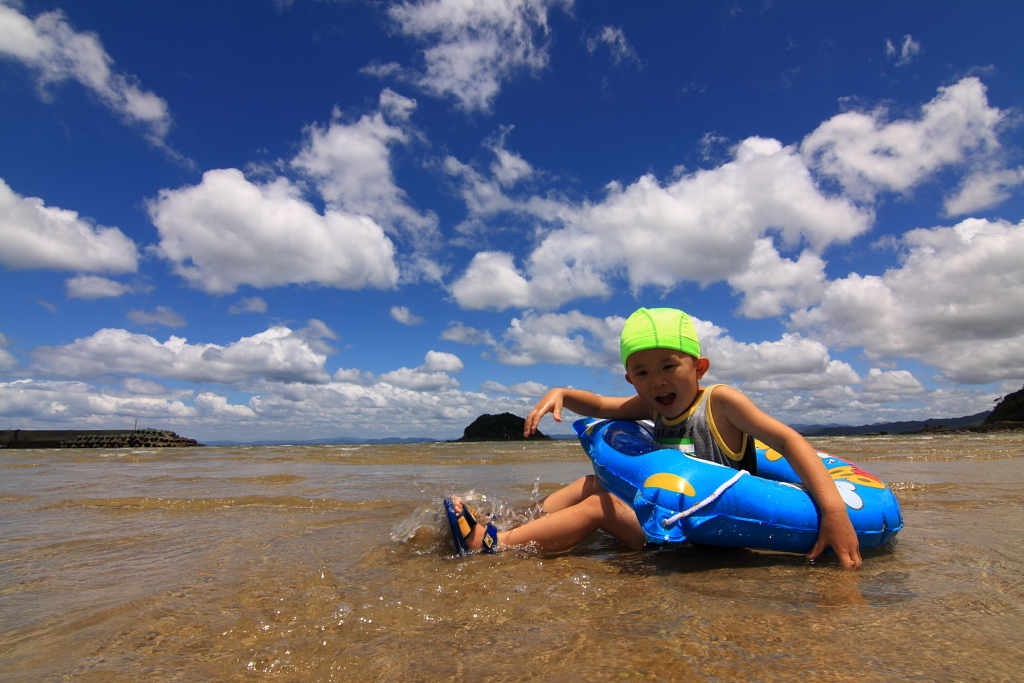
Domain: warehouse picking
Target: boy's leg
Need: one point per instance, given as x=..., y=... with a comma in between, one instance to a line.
x=566, y=527
x=570, y=495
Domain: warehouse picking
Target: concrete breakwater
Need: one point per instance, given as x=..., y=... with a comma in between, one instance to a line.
x=92, y=438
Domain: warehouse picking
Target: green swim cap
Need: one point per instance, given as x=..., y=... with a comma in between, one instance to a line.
x=658, y=328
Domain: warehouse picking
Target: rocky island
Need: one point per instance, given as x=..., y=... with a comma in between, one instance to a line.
x=1009, y=409
x=504, y=427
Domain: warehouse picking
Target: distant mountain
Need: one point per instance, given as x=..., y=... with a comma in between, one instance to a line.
x=894, y=427
x=801, y=428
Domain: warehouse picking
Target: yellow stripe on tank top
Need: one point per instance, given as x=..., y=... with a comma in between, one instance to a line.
x=718, y=437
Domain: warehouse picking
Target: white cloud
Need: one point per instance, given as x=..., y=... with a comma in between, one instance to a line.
x=847, y=405
x=350, y=164
x=618, y=45
x=414, y=380
x=800, y=382
x=359, y=409
x=7, y=359
x=403, y=315
x=433, y=375
x=491, y=281
x=163, y=315
x=147, y=387
x=749, y=215
x=33, y=235
x=353, y=376
x=59, y=403
x=793, y=362
x=793, y=377
x=278, y=354
x=227, y=231
x=213, y=404
x=648, y=231
x=492, y=387
x=907, y=51
x=508, y=167
x=388, y=70
x=830, y=375
x=56, y=52
x=314, y=334
x=564, y=338
x=485, y=196
x=396, y=107
x=481, y=196
x=983, y=189
x=439, y=361
x=94, y=287
x=63, y=404
x=527, y=389
x=473, y=46
x=867, y=153
x=253, y=304
x=955, y=302
x=417, y=267
x=790, y=363
x=530, y=389
x=880, y=386
x=464, y=334
x=771, y=284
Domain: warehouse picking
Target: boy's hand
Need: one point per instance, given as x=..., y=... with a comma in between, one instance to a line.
x=734, y=411
x=837, y=533
x=550, y=403
x=584, y=403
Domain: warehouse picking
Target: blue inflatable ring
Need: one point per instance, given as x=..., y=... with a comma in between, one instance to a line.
x=679, y=498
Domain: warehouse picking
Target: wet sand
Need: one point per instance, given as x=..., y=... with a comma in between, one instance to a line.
x=331, y=563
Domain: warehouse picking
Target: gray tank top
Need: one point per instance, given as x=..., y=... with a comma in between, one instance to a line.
x=694, y=433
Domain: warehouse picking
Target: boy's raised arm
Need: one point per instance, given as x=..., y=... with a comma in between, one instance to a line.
x=584, y=403
x=836, y=531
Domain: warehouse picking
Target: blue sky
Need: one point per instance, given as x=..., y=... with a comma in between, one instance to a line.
x=298, y=219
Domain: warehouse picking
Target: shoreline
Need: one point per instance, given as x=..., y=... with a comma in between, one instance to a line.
x=994, y=427
x=93, y=438
x=1003, y=427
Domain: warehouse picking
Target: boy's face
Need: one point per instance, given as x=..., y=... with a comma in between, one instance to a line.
x=665, y=379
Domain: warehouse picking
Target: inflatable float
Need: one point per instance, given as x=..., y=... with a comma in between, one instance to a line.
x=679, y=498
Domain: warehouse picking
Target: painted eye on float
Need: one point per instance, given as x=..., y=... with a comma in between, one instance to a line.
x=849, y=494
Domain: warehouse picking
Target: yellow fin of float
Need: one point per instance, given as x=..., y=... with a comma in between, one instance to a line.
x=770, y=452
x=855, y=475
x=670, y=482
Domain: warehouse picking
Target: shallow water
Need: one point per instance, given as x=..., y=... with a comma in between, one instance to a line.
x=330, y=563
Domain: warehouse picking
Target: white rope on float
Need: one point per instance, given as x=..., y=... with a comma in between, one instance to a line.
x=666, y=523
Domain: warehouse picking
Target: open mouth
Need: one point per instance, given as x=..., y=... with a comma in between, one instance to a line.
x=666, y=399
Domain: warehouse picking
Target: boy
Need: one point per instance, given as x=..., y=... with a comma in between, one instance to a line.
x=661, y=355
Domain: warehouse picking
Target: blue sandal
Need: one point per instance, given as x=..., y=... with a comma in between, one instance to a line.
x=461, y=525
